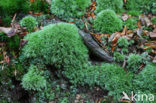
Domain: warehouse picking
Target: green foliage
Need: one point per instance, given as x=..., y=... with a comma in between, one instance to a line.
x=69, y=8
x=131, y=23
x=10, y=7
x=6, y=20
x=33, y=80
x=63, y=100
x=45, y=95
x=29, y=22
x=57, y=44
x=39, y=6
x=134, y=62
x=134, y=13
x=119, y=57
x=145, y=80
x=145, y=6
x=116, y=5
x=154, y=20
x=12, y=43
x=123, y=42
x=107, y=22
x=108, y=76
x=154, y=7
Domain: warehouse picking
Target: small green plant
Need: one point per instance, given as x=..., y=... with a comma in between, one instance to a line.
x=69, y=8
x=131, y=23
x=39, y=6
x=116, y=5
x=29, y=22
x=154, y=20
x=119, y=57
x=57, y=44
x=10, y=7
x=107, y=22
x=145, y=80
x=134, y=62
x=145, y=6
x=154, y=7
x=6, y=20
x=134, y=13
x=123, y=42
x=34, y=79
x=110, y=77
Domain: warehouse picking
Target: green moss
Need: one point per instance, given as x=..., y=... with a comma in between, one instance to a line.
x=57, y=44
x=29, y=22
x=145, y=6
x=69, y=8
x=33, y=80
x=154, y=20
x=107, y=22
x=6, y=20
x=109, y=77
x=119, y=57
x=134, y=13
x=131, y=23
x=154, y=8
x=134, y=62
x=39, y=6
x=116, y=5
x=123, y=42
x=145, y=80
x=10, y=7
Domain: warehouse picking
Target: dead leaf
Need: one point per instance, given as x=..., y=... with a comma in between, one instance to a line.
x=154, y=60
x=22, y=43
x=125, y=17
x=124, y=32
x=153, y=35
x=125, y=1
x=9, y=31
x=93, y=15
x=145, y=20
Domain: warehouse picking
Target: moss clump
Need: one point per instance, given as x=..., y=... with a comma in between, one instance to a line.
x=119, y=57
x=131, y=23
x=144, y=6
x=123, y=42
x=69, y=8
x=29, y=22
x=10, y=7
x=57, y=44
x=107, y=22
x=116, y=5
x=134, y=13
x=145, y=80
x=39, y=6
x=33, y=80
x=154, y=20
x=134, y=62
x=110, y=77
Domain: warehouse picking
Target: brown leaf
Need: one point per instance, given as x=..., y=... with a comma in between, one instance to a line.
x=125, y=1
x=23, y=42
x=124, y=32
x=154, y=60
x=93, y=15
x=125, y=17
x=9, y=31
x=153, y=35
